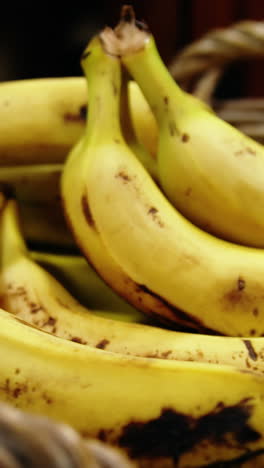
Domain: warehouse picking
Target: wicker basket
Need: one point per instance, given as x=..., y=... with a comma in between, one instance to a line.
x=29, y=441
x=199, y=67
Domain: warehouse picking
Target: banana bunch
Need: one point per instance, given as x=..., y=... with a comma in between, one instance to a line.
x=78, y=366
x=210, y=171
x=120, y=315
x=119, y=215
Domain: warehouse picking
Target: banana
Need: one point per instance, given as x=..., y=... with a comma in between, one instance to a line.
x=104, y=81
x=161, y=412
x=210, y=171
x=47, y=116
x=34, y=295
x=138, y=241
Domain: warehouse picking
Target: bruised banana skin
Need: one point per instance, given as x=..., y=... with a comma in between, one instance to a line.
x=209, y=170
x=34, y=295
x=188, y=414
x=48, y=117
x=215, y=284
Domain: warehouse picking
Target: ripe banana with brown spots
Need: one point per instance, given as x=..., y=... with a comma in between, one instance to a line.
x=30, y=291
x=138, y=242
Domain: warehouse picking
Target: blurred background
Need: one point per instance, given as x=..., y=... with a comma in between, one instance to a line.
x=43, y=40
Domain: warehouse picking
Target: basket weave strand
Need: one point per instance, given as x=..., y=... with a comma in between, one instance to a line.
x=28, y=441
x=219, y=47
x=200, y=65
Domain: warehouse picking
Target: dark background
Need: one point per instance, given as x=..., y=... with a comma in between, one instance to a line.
x=46, y=40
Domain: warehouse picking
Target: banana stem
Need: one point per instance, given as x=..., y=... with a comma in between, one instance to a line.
x=103, y=74
x=154, y=79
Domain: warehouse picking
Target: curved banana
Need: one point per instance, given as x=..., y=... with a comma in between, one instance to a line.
x=47, y=117
x=104, y=72
x=209, y=170
x=200, y=280
x=159, y=411
x=33, y=294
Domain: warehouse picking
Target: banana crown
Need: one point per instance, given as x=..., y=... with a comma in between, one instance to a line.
x=129, y=35
x=137, y=49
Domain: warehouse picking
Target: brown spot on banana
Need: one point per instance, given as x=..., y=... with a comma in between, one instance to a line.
x=47, y=398
x=157, y=354
x=50, y=322
x=34, y=308
x=14, y=389
x=236, y=294
x=185, y=137
x=102, y=344
x=241, y=284
x=69, y=117
x=76, y=339
x=87, y=212
x=251, y=351
x=154, y=214
x=251, y=151
x=123, y=176
x=247, y=150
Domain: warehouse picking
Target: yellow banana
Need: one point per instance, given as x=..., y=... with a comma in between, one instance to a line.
x=163, y=413
x=33, y=294
x=209, y=170
x=42, y=118
x=105, y=70
x=142, y=243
